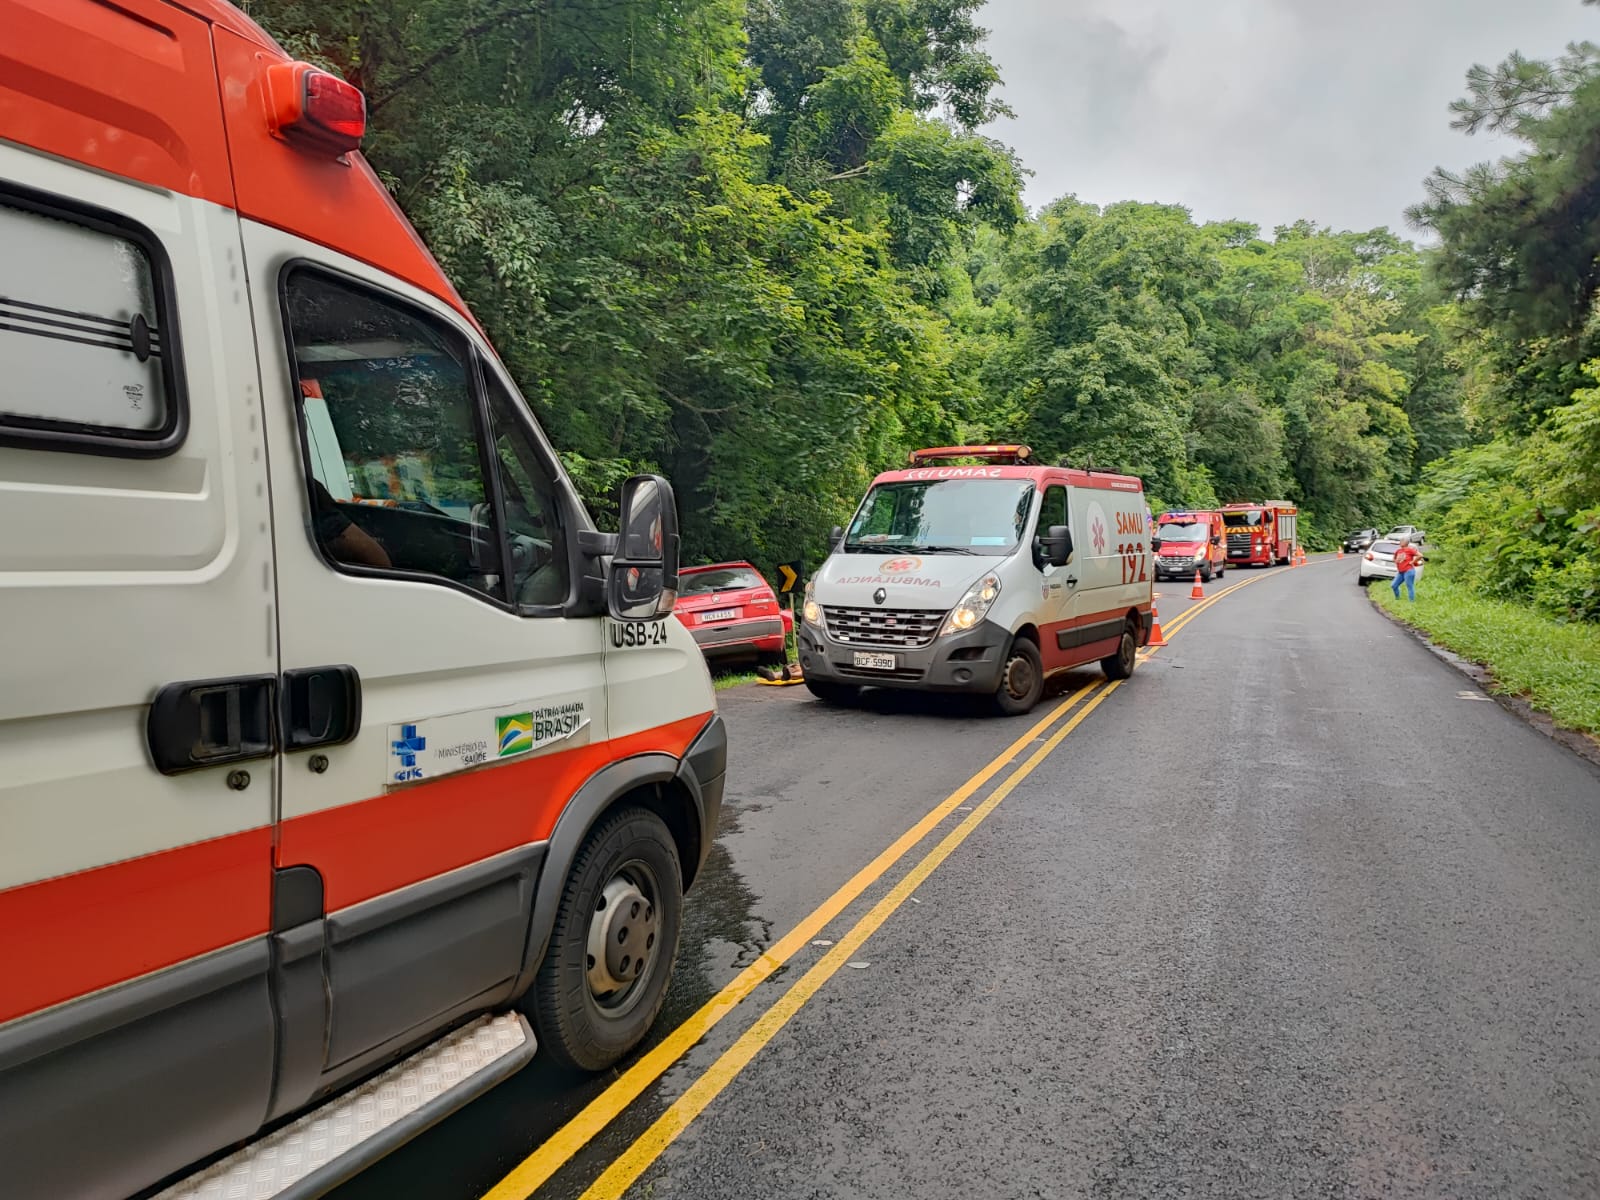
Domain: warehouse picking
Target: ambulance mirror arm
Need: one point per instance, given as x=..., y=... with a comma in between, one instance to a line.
x=594, y=544
x=835, y=537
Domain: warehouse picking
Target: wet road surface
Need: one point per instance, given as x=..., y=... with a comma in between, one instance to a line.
x=1293, y=913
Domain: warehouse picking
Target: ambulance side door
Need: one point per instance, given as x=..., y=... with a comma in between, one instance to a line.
x=1115, y=552
x=440, y=708
x=1058, y=585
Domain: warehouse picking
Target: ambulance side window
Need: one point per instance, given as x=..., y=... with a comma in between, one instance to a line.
x=1054, y=509
x=87, y=333
x=540, y=573
x=395, y=449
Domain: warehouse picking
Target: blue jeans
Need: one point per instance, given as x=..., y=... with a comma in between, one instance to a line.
x=1409, y=578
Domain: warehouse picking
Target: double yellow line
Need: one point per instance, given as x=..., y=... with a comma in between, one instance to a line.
x=567, y=1141
x=1191, y=613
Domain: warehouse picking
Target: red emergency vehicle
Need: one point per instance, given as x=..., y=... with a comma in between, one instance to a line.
x=1260, y=533
x=1186, y=542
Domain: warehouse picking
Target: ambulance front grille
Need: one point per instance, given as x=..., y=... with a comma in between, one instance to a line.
x=895, y=628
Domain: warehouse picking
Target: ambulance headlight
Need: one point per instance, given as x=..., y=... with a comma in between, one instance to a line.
x=974, y=606
x=811, y=610
x=1200, y=555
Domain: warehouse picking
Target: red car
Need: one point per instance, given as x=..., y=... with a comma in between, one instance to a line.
x=732, y=611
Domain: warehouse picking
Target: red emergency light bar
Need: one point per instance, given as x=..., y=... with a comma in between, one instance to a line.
x=315, y=108
x=1001, y=455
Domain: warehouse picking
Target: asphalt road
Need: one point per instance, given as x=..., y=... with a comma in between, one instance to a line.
x=1296, y=912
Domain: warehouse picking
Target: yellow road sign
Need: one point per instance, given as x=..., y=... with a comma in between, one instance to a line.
x=788, y=576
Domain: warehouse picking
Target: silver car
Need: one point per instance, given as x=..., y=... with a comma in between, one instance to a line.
x=1378, y=563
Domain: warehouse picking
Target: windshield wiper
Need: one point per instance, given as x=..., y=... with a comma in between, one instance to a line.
x=944, y=550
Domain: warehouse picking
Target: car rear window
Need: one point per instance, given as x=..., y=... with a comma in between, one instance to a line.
x=1385, y=547
x=727, y=579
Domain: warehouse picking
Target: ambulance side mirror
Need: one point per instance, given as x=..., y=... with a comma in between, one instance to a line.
x=642, y=583
x=1056, y=545
x=1155, y=544
x=835, y=537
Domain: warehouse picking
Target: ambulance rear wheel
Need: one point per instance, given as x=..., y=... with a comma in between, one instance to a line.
x=1120, y=665
x=605, y=973
x=1022, y=680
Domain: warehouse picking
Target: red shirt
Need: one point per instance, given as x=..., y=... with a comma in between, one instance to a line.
x=1406, y=557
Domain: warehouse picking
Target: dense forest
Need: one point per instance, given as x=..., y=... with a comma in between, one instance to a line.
x=762, y=247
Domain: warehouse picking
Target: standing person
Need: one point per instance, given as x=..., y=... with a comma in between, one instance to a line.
x=1405, y=567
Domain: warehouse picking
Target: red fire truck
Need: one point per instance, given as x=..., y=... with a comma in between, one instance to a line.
x=1261, y=533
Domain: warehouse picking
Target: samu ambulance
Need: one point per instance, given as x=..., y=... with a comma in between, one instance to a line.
x=340, y=755
x=975, y=570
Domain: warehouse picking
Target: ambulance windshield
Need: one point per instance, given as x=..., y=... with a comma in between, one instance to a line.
x=951, y=516
x=1188, y=531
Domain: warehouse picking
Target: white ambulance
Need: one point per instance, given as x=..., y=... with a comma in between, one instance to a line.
x=977, y=571
x=340, y=754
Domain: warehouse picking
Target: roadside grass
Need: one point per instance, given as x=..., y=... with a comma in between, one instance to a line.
x=723, y=680
x=1555, y=666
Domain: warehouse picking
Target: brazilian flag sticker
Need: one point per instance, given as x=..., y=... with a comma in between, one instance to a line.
x=514, y=733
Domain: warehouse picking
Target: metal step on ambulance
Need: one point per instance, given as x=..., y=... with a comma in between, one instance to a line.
x=336, y=1141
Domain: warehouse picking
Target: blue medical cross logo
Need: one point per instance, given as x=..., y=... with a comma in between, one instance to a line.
x=409, y=745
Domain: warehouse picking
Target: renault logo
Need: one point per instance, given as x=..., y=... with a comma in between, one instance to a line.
x=879, y=596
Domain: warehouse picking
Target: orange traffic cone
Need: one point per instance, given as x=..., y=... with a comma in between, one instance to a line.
x=1341, y=551
x=1197, y=592
x=1155, y=628
x=1302, y=550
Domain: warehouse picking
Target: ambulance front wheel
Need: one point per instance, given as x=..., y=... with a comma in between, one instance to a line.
x=1120, y=665
x=833, y=693
x=1022, y=680
x=605, y=975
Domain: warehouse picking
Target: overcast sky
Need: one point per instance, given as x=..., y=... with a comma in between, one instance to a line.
x=1263, y=110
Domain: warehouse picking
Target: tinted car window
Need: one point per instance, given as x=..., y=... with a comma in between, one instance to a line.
x=1385, y=547
x=1053, y=510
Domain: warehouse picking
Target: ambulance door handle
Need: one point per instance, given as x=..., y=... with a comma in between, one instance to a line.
x=208, y=722
x=1072, y=581
x=321, y=706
